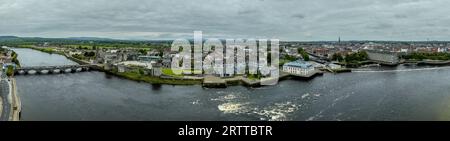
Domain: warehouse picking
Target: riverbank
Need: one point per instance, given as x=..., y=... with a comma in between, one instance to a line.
x=433, y=62
x=154, y=80
x=46, y=50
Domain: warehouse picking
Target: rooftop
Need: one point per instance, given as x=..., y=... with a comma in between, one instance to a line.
x=150, y=57
x=299, y=63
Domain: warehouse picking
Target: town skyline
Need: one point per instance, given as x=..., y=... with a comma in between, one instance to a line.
x=98, y=38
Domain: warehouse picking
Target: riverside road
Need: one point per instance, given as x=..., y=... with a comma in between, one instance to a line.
x=6, y=103
x=4, y=96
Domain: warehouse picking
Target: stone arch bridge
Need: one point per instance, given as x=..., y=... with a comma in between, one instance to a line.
x=52, y=69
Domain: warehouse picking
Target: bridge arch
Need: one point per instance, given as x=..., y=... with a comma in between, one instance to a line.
x=52, y=69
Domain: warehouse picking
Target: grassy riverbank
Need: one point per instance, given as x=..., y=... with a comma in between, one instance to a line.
x=136, y=76
x=44, y=49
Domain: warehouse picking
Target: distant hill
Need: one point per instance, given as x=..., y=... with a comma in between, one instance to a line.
x=8, y=37
x=82, y=41
x=90, y=39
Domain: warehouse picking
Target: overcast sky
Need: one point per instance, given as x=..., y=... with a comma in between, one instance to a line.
x=302, y=20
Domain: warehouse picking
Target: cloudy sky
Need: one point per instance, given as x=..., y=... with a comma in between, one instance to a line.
x=302, y=20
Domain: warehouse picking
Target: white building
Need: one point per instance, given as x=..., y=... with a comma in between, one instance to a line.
x=298, y=67
x=75, y=53
x=404, y=50
x=145, y=65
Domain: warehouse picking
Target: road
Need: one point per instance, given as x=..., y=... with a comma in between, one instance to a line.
x=6, y=103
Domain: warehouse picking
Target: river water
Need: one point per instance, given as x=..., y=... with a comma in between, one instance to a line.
x=421, y=94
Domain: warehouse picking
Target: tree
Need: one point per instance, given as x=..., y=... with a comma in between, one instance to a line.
x=143, y=51
x=10, y=71
x=290, y=58
x=356, y=57
x=431, y=56
x=77, y=56
x=337, y=57
x=161, y=53
x=363, y=55
x=304, y=54
x=300, y=50
x=141, y=71
x=89, y=54
x=14, y=58
x=305, y=57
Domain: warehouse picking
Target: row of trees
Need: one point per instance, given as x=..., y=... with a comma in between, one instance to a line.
x=351, y=58
x=14, y=59
x=85, y=55
x=89, y=54
x=432, y=56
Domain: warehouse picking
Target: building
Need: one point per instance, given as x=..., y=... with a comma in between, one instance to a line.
x=167, y=62
x=298, y=67
x=75, y=53
x=387, y=57
x=145, y=65
x=149, y=58
x=322, y=52
x=334, y=66
x=109, y=60
x=156, y=69
x=121, y=68
x=316, y=65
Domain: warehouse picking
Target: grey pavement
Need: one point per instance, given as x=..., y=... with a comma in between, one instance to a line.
x=6, y=103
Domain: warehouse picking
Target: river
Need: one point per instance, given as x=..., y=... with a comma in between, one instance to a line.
x=389, y=95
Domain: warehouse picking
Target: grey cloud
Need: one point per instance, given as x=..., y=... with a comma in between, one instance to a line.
x=248, y=11
x=400, y=16
x=141, y=19
x=380, y=26
x=299, y=16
